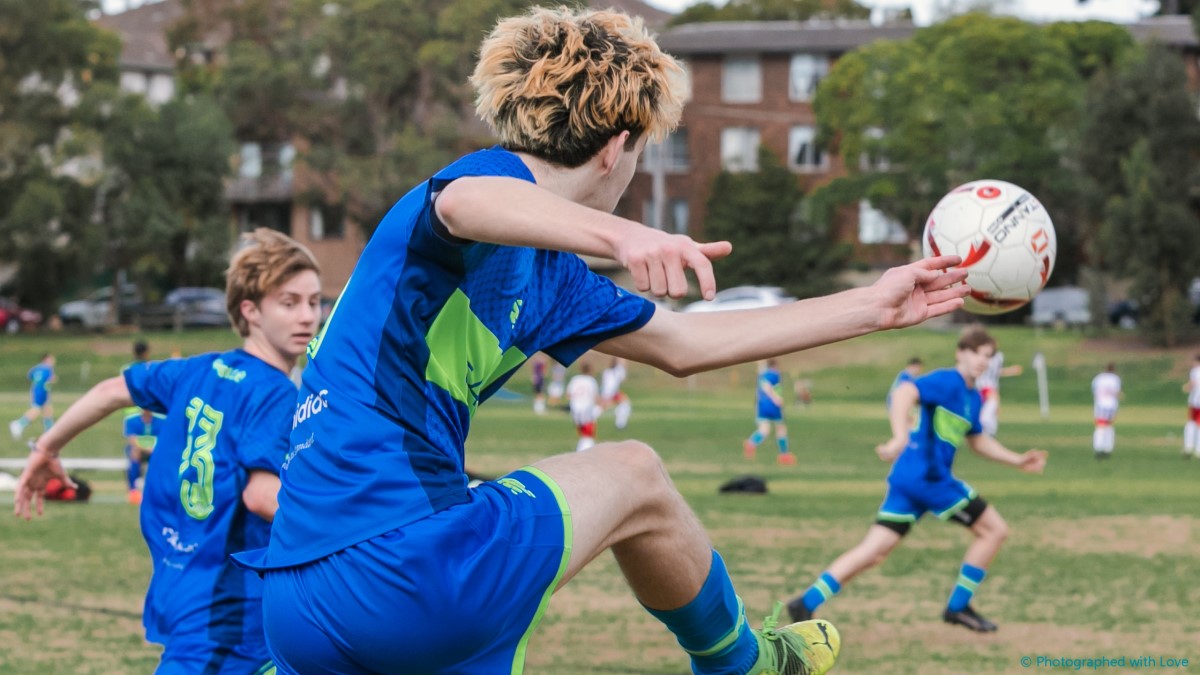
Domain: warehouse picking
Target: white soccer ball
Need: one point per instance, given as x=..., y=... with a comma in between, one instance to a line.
x=1005, y=238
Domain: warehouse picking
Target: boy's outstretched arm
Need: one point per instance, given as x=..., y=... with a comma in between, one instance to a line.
x=1030, y=461
x=682, y=344
x=515, y=212
x=101, y=400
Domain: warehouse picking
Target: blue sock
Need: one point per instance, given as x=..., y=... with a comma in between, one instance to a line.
x=22, y=422
x=712, y=627
x=823, y=589
x=756, y=437
x=783, y=445
x=47, y=422
x=132, y=474
x=969, y=578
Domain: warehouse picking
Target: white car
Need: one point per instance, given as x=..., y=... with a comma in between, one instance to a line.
x=742, y=297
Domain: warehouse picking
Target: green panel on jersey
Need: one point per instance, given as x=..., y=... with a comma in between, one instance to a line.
x=950, y=427
x=464, y=355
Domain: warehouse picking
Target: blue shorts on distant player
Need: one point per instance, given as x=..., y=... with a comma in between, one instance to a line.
x=459, y=591
x=38, y=396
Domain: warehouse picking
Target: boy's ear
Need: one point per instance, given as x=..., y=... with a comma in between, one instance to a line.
x=610, y=154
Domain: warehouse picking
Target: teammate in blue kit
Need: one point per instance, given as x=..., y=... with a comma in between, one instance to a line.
x=381, y=559
x=41, y=376
x=769, y=411
x=921, y=481
x=228, y=415
x=910, y=373
x=141, y=429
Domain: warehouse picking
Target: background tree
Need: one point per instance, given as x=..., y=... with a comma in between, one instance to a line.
x=974, y=97
x=775, y=243
x=1140, y=142
x=50, y=57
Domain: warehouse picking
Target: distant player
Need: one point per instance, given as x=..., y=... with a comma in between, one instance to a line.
x=988, y=385
x=381, y=559
x=921, y=481
x=910, y=372
x=214, y=491
x=141, y=429
x=1106, y=391
x=1191, y=430
x=557, y=387
x=41, y=376
x=537, y=379
x=582, y=395
x=135, y=454
x=611, y=394
x=768, y=403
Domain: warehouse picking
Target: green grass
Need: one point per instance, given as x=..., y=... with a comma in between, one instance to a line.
x=1102, y=559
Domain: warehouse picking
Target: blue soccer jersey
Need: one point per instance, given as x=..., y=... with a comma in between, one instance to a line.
x=949, y=412
x=901, y=377
x=41, y=376
x=227, y=415
x=146, y=432
x=426, y=330
x=767, y=408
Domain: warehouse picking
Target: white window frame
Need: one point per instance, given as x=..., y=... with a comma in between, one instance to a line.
x=739, y=148
x=816, y=158
x=804, y=75
x=876, y=227
x=741, y=79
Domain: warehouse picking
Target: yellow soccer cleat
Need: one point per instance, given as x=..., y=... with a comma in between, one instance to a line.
x=804, y=648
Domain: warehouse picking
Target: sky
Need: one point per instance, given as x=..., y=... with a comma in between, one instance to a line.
x=926, y=11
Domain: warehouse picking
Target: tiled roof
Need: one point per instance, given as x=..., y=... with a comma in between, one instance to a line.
x=143, y=32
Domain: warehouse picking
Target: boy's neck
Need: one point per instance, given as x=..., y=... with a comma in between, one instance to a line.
x=259, y=347
x=566, y=183
x=966, y=376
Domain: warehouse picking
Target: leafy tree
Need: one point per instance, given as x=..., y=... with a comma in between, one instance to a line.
x=772, y=10
x=1139, y=146
x=974, y=97
x=774, y=242
x=50, y=57
x=375, y=92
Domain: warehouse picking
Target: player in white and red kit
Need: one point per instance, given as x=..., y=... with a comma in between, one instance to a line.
x=1106, y=390
x=988, y=385
x=1191, y=430
x=611, y=395
x=582, y=392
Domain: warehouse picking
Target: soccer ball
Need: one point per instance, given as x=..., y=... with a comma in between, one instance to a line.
x=1004, y=237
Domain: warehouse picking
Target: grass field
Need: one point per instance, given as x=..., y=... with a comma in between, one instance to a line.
x=1102, y=560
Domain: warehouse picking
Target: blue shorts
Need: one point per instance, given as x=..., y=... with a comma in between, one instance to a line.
x=458, y=592
x=180, y=659
x=39, y=396
x=769, y=413
x=906, y=502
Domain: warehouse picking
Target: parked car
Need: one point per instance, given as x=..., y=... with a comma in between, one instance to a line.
x=14, y=317
x=742, y=297
x=92, y=311
x=186, y=307
x=1068, y=305
x=1123, y=314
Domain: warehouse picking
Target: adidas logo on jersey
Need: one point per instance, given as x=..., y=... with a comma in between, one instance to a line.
x=310, y=407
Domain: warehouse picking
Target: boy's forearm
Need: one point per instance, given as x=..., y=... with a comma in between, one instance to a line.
x=515, y=212
x=989, y=448
x=101, y=400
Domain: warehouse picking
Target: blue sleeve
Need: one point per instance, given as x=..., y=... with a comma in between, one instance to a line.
x=131, y=423
x=266, y=430
x=152, y=384
x=588, y=310
x=934, y=388
x=976, y=409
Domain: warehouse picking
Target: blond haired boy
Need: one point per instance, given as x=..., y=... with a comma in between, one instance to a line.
x=229, y=414
x=382, y=559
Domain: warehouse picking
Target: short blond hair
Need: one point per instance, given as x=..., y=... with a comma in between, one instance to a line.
x=264, y=261
x=560, y=83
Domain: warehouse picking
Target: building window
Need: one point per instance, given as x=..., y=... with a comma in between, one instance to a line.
x=804, y=154
x=741, y=80
x=326, y=221
x=679, y=216
x=161, y=88
x=273, y=215
x=673, y=151
x=739, y=149
x=135, y=82
x=805, y=74
x=876, y=227
x=250, y=164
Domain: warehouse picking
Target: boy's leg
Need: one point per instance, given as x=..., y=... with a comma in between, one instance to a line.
x=875, y=547
x=17, y=426
x=750, y=445
x=621, y=498
x=47, y=417
x=990, y=531
x=785, y=458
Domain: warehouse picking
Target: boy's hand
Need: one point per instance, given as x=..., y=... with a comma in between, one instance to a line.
x=658, y=260
x=1033, y=461
x=890, y=450
x=31, y=487
x=913, y=293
